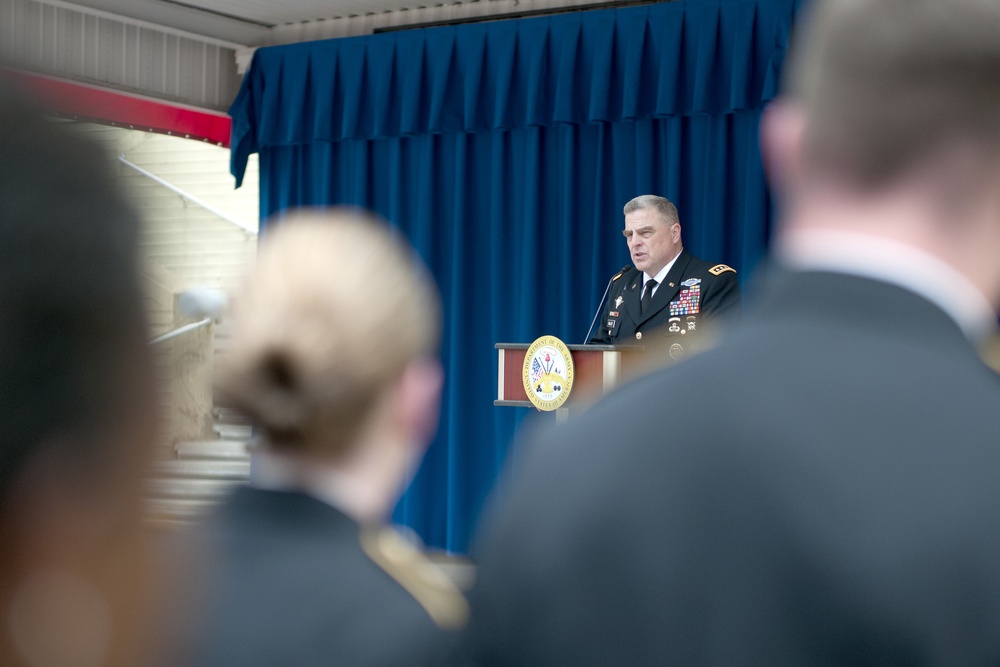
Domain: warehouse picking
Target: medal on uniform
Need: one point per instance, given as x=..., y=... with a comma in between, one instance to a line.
x=688, y=301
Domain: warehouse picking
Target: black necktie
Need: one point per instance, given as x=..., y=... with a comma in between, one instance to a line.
x=647, y=294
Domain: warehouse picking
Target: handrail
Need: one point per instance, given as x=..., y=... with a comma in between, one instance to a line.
x=181, y=330
x=187, y=196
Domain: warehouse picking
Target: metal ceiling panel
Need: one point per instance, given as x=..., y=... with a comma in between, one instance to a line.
x=272, y=12
x=254, y=22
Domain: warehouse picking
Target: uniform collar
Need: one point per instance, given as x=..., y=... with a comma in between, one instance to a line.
x=274, y=471
x=896, y=263
x=662, y=273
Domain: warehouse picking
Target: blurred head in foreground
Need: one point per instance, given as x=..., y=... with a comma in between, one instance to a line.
x=334, y=353
x=889, y=126
x=333, y=358
x=76, y=401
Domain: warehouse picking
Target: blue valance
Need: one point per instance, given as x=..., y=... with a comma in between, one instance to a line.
x=668, y=59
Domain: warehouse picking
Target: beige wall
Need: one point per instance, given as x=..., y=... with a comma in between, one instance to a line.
x=185, y=245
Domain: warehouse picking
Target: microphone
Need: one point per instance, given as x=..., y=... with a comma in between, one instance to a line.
x=601, y=304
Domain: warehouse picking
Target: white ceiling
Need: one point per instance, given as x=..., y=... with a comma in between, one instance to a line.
x=254, y=22
x=278, y=12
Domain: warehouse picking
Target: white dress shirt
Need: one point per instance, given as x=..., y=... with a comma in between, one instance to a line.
x=660, y=276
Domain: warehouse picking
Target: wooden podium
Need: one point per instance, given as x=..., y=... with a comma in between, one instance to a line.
x=597, y=369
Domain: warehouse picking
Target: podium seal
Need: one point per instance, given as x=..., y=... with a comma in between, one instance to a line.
x=547, y=373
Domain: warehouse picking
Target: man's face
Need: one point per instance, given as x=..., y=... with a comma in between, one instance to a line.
x=651, y=242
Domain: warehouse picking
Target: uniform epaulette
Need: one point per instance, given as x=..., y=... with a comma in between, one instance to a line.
x=425, y=581
x=719, y=269
x=618, y=275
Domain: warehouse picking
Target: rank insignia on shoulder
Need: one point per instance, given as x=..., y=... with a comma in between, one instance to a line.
x=691, y=282
x=719, y=269
x=437, y=594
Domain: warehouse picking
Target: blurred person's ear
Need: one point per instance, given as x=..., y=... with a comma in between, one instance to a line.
x=782, y=127
x=419, y=400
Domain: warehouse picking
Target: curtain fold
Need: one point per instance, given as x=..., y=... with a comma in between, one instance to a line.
x=674, y=58
x=505, y=151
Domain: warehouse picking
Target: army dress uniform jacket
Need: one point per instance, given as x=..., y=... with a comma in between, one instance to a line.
x=693, y=290
x=286, y=579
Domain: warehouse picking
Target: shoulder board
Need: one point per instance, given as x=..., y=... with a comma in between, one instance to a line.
x=719, y=269
x=618, y=275
x=425, y=581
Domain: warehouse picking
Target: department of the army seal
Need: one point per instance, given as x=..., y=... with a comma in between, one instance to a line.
x=547, y=373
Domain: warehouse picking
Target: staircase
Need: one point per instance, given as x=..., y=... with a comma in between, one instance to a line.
x=184, y=488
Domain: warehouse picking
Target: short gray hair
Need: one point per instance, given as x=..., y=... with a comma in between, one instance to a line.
x=662, y=205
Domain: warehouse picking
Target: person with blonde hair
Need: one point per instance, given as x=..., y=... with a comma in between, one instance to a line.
x=333, y=358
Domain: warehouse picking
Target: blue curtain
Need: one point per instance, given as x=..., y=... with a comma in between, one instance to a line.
x=505, y=151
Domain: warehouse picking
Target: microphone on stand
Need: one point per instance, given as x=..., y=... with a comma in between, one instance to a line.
x=600, y=306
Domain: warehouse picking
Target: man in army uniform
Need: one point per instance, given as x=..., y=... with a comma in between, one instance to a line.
x=669, y=289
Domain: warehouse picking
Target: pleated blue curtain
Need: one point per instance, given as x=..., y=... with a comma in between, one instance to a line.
x=505, y=151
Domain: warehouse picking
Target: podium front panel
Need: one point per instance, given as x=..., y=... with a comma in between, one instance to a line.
x=597, y=369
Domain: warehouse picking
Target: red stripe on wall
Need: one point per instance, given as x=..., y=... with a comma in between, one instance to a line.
x=108, y=107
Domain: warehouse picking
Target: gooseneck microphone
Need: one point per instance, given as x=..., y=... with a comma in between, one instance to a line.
x=600, y=306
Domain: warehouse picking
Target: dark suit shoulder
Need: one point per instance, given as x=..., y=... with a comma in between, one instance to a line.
x=288, y=579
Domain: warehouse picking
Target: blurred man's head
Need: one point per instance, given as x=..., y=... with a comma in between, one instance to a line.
x=652, y=231
x=887, y=85
x=77, y=416
x=894, y=105
x=335, y=338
